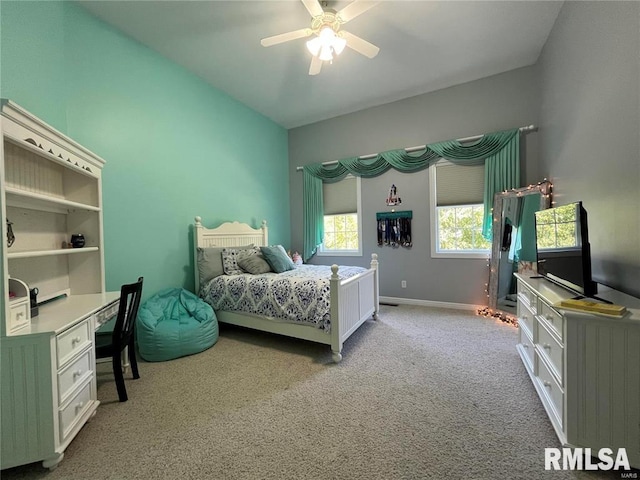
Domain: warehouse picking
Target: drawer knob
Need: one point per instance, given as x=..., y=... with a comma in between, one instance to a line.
x=550, y=318
x=79, y=406
x=75, y=340
x=19, y=314
x=525, y=345
x=547, y=384
x=546, y=346
x=77, y=373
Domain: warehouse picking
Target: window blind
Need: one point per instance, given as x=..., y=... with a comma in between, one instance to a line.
x=340, y=197
x=459, y=185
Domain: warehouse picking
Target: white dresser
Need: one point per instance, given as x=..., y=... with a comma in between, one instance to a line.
x=50, y=189
x=585, y=367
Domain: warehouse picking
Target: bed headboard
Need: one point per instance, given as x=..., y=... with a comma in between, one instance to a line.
x=229, y=234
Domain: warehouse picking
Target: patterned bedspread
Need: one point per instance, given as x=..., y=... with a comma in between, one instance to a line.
x=300, y=295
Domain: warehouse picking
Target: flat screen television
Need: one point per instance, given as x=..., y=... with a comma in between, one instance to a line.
x=562, y=248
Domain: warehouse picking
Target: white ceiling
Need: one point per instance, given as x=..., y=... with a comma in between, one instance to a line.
x=424, y=46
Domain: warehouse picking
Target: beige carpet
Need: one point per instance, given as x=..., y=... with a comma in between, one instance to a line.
x=421, y=393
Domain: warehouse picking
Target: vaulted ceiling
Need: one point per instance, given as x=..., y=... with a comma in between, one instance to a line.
x=424, y=46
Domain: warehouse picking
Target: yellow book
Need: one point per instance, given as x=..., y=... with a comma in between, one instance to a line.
x=596, y=307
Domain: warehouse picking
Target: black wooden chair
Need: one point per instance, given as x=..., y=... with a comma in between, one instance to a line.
x=111, y=344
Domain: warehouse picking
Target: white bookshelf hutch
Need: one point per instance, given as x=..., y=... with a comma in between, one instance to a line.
x=50, y=188
x=584, y=366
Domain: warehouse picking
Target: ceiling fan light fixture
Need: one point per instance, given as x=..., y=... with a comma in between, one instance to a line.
x=338, y=45
x=327, y=37
x=314, y=45
x=326, y=44
x=326, y=53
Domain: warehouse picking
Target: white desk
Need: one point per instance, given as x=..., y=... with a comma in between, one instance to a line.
x=48, y=378
x=59, y=315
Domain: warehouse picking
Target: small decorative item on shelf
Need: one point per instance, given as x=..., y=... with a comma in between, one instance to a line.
x=33, y=301
x=10, y=236
x=297, y=259
x=77, y=240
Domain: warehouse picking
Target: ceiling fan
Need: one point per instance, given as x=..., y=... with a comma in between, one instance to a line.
x=329, y=38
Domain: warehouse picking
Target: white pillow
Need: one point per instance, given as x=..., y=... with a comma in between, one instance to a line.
x=230, y=257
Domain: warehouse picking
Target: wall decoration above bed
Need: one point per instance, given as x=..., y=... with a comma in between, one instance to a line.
x=319, y=303
x=393, y=198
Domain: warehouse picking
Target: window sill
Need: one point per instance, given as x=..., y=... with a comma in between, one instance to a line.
x=339, y=253
x=480, y=254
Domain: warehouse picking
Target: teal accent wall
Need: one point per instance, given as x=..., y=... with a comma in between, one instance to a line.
x=175, y=146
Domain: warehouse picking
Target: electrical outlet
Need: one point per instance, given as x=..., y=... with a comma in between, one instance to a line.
x=403, y=284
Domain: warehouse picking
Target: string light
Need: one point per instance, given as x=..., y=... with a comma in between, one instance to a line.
x=545, y=187
x=502, y=316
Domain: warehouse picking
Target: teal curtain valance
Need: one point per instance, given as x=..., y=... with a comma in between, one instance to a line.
x=502, y=148
x=477, y=152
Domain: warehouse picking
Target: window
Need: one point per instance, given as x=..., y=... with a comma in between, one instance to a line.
x=457, y=210
x=341, y=232
x=460, y=228
x=342, y=221
x=556, y=228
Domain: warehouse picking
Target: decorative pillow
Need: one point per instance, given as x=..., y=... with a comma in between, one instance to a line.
x=254, y=264
x=209, y=263
x=230, y=257
x=277, y=257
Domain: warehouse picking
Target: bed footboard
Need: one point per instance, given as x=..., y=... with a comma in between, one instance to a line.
x=353, y=301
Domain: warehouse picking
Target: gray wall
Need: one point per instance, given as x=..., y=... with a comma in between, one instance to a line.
x=495, y=103
x=590, y=129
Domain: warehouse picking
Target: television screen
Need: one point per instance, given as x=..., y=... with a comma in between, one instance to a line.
x=562, y=245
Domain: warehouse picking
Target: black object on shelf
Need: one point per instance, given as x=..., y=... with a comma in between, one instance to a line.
x=33, y=301
x=77, y=240
x=10, y=236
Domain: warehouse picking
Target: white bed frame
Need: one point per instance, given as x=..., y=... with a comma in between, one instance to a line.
x=353, y=300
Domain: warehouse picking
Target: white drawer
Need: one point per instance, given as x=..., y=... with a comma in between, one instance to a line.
x=526, y=296
x=527, y=346
x=106, y=314
x=549, y=348
x=73, y=341
x=525, y=316
x=553, y=319
x=73, y=375
x=19, y=315
x=70, y=414
x=112, y=310
x=552, y=394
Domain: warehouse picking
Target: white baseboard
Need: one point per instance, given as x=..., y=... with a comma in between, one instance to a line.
x=429, y=303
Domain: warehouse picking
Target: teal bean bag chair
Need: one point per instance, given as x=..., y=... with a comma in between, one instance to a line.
x=174, y=323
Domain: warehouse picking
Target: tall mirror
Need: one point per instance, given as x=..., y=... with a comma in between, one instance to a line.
x=514, y=241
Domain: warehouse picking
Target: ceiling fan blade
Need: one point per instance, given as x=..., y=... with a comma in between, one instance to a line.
x=285, y=37
x=359, y=45
x=314, y=7
x=316, y=65
x=354, y=9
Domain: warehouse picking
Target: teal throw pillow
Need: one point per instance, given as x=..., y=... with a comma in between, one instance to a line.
x=277, y=258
